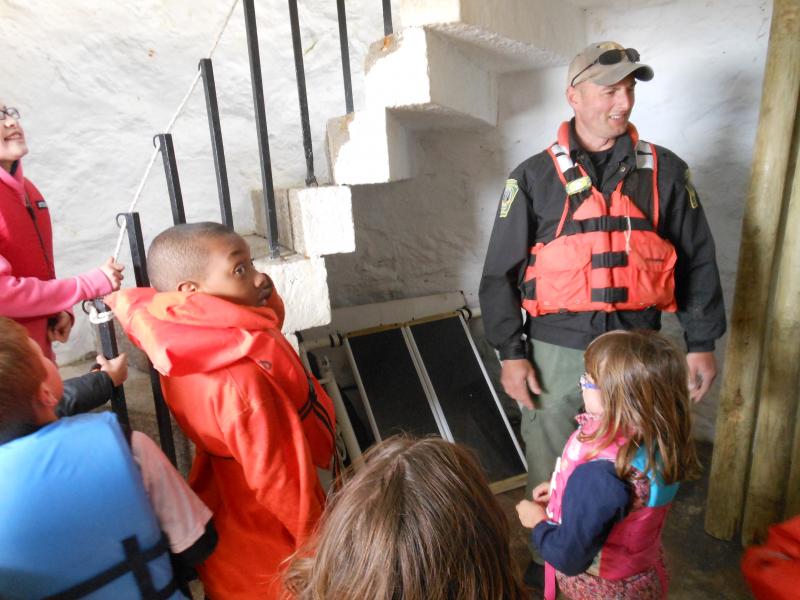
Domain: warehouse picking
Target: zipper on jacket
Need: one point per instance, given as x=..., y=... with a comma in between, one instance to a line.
x=32, y=213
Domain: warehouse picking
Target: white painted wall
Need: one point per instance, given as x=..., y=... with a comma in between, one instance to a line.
x=429, y=235
x=95, y=80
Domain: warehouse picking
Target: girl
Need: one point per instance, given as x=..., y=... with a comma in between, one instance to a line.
x=416, y=522
x=598, y=521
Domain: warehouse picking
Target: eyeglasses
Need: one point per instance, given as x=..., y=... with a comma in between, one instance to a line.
x=610, y=57
x=585, y=384
x=11, y=112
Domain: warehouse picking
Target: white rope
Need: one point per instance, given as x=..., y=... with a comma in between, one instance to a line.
x=171, y=123
x=98, y=318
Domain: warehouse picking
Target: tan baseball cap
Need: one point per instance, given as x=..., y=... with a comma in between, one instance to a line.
x=606, y=63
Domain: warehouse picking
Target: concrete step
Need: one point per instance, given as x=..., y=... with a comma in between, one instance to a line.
x=415, y=80
x=441, y=72
x=420, y=74
x=505, y=35
x=312, y=221
x=370, y=146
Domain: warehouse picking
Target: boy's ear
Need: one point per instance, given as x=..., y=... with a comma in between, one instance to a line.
x=187, y=286
x=45, y=400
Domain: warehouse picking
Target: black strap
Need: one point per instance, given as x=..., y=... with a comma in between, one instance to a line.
x=529, y=290
x=611, y=295
x=605, y=223
x=135, y=561
x=608, y=260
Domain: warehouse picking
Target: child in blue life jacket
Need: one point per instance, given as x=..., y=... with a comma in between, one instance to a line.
x=88, y=508
x=598, y=521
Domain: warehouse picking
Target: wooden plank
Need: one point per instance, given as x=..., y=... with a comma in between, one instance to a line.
x=777, y=409
x=735, y=416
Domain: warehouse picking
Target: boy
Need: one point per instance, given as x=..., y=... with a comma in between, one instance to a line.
x=83, y=507
x=261, y=425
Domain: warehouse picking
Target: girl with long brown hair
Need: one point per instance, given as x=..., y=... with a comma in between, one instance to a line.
x=601, y=534
x=416, y=522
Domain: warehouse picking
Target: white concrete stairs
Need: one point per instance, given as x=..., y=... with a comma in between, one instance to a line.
x=312, y=222
x=441, y=72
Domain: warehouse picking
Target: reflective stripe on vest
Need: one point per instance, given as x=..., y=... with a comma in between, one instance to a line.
x=77, y=521
x=606, y=255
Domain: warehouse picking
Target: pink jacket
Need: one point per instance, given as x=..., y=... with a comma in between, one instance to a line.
x=29, y=291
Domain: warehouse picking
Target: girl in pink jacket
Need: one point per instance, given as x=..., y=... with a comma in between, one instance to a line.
x=29, y=290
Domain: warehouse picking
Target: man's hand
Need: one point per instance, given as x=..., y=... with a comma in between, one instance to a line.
x=113, y=270
x=518, y=379
x=530, y=514
x=61, y=327
x=541, y=493
x=117, y=368
x=702, y=372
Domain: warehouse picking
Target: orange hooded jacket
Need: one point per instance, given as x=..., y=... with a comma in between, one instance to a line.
x=239, y=391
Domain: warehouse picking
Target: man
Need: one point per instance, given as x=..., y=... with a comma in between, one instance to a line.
x=601, y=231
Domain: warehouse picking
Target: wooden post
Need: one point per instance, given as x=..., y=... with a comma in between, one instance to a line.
x=792, y=258
x=777, y=408
x=735, y=416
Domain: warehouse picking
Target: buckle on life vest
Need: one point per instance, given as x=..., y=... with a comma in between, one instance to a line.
x=576, y=186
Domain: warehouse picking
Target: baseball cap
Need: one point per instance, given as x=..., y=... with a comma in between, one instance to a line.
x=606, y=63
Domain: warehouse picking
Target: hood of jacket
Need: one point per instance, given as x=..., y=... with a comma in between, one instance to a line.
x=190, y=332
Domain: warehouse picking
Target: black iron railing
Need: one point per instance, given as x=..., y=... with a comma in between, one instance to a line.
x=167, y=150
x=217, y=148
x=139, y=261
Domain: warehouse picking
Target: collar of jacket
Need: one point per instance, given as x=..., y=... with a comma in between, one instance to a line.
x=624, y=150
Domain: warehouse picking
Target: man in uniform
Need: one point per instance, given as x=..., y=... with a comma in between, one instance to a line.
x=600, y=231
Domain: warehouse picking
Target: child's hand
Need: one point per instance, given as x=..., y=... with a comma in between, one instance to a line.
x=117, y=368
x=541, y=493
x=113, y=270
x=530, y=514
x=59, y=327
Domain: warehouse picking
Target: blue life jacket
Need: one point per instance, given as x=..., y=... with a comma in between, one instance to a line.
x=75, y=520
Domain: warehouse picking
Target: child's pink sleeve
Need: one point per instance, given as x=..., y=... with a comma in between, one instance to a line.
x=24, y=297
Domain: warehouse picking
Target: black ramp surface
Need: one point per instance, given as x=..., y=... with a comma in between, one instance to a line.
x=392, y=385
x=467, y=402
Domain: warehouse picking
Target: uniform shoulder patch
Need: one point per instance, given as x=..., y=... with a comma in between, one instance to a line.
x=507, y=199
x=693, y=201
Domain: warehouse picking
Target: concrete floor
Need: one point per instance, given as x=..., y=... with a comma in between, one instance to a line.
x=700, y=566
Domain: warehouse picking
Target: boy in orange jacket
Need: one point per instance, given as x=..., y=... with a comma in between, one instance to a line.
x=260, y=423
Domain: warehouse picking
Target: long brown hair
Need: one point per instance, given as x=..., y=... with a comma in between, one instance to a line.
x=416, y=522
x=643, y=380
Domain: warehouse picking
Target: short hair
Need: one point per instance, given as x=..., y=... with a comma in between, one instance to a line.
x=417, y=521
x=181, y=252
x=643, y=381
x=21, y=374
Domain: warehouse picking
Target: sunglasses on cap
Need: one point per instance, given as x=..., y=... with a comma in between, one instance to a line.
x=610, y=57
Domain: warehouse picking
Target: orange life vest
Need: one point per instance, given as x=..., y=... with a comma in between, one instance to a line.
x=606, y=255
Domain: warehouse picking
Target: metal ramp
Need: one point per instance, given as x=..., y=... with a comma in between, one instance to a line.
x=425, y=378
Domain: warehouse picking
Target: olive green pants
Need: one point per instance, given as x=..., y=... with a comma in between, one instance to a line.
x=546, y=428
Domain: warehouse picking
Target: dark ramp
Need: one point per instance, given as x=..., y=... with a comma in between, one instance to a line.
x=394, y=393
x=466, y=400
